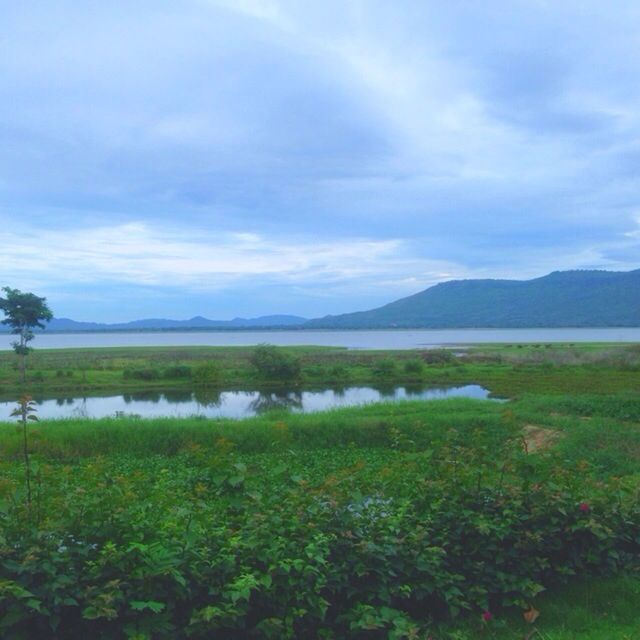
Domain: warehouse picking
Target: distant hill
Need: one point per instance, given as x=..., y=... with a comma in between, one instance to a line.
x=161, y=324
x=560, y=299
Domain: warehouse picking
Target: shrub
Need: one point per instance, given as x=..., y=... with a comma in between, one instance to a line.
x=315, y=371
x=385, y=368
x=352, y=550
x=414, y=366
x=273, y=363
x=178, y=371
x=339, y=372
x=207, y=374
x=141, y=374
x=438, y=356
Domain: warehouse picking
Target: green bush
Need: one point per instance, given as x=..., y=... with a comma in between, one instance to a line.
x=339, y=372
x=141, y=374
x=177, y=371
x=438, y=356
x=207, y=374
x=213, y=544
x=272, y=363
x=385, y=368
x=414, y=367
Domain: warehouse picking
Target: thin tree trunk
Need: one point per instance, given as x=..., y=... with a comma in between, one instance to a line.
x=25, y=451
x=23, y=357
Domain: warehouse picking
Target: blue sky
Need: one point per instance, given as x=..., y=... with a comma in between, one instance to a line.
x=247, y=157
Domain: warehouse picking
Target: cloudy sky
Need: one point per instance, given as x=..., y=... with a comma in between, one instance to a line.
x=245, y=157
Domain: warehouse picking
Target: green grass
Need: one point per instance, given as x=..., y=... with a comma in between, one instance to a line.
x=121, y=481
x=507, y=371
x=368, y=426
x=592, y=609
x=231, y=498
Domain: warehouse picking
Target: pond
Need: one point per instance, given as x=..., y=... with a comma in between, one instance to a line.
x=232, y=404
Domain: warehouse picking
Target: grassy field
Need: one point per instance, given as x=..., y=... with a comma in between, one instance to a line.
x=447, y=519
x=146, y=494
x=506, y=370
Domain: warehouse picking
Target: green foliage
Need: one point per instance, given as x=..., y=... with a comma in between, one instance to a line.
x=438, y=356
x=381, y=521
x=207, y=374
x=414, y=367
x=23, y=312
x=25, y=412
x=385, y=368
x=289, y=545
x=141, y=374
x=272, y=363
x=506, y=371
x=177, y=371
x=560, y=299
x=339, y=373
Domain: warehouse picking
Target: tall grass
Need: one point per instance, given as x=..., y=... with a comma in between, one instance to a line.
x=369, y=426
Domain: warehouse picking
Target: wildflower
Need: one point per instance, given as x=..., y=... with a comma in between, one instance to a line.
x=487, y=615
x=584, y=507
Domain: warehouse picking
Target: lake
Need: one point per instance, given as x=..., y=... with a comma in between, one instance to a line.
x=373, y=339
x=232, y=404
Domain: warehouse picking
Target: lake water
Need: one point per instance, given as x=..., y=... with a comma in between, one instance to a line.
x=232, y=404
x=380, y=339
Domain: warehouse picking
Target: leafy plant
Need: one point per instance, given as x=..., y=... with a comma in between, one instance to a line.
x=26, y=412
x=414, y=366
x=23, y=312
x=178, y=371
x=273, y=363
x=385, y=368
x=207, y=374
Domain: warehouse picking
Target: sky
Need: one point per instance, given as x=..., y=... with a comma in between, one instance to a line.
x=249, y=157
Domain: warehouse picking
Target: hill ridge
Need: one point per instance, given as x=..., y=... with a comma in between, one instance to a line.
x=575, y=298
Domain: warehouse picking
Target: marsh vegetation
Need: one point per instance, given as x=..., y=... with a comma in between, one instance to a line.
x=448, y=519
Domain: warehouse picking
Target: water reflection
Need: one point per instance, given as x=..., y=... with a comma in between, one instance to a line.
x=234, y=404
x=178, y=395
x=386, y=392
x=208, y=398
x=273, y=401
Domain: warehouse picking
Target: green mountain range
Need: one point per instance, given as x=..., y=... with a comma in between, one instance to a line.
x=560, y=299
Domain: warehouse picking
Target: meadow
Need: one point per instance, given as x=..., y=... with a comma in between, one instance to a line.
x=507, y=370
x=453, y=519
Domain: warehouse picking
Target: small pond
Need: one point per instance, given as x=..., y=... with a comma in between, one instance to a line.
x=232, y=404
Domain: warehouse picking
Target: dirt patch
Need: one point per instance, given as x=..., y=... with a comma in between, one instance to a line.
x=538, y=438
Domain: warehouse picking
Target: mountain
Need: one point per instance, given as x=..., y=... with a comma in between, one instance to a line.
x=560, y=299
x=161, y=324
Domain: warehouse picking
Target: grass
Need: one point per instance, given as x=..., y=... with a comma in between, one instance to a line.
x=507, y=371
x=368, y=426
x=128, y=481
x=591, y=609
x=354, y=448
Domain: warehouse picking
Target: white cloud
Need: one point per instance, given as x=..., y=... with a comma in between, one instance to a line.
x=269, y=11
x=139, y=253
x=634, y=233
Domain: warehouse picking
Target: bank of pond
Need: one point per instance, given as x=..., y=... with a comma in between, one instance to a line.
x=443, y=519
x=234, y=403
